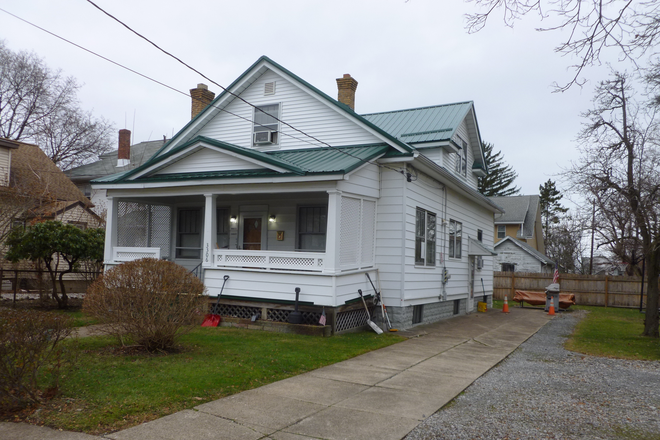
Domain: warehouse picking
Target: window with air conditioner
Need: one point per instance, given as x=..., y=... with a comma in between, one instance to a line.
x=266, y=125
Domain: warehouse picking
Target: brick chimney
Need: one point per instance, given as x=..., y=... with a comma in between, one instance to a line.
x=347, y=87
x=124, y=153
x=201, y=97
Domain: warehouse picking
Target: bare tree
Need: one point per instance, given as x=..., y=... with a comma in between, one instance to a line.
x=620, y=162
x=632, y=27
x=564, y=243
x=39, y=105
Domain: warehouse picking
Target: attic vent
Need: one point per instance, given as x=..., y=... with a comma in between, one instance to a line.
x=269, y=88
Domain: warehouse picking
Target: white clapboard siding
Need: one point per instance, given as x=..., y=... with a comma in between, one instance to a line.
x=389, y=235
x=363, y=181
x=508, y=252
x=270, y=286
x=4, y=166
x=207, y=159
x=298, y=108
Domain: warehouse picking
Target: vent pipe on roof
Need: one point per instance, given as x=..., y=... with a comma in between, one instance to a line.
x=124, y=153
x=347, y=87
x=201, y=97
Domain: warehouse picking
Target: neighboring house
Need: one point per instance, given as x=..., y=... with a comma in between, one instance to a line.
x=521, y=222
x=126, y=157
x=517, y=256
x=37, y=190
x=295, y=189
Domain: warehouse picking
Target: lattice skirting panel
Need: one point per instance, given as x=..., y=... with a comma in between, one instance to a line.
x=345, y=320
x=238, y=311
x=351, y=319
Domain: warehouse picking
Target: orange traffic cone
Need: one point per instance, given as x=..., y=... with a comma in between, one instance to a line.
x=551, y=310
x=505, y=307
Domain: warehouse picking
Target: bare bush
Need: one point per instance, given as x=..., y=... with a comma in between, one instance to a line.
x=30, y=355
x=149, y=302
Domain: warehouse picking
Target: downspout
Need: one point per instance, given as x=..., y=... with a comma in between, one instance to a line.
x=444, y=244
x=403, y=239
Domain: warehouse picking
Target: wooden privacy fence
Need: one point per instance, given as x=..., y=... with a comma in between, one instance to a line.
x=589, y=290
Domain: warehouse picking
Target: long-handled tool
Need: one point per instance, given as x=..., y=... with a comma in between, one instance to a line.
x=369, y=321
x=214, y=318
x=383, y=309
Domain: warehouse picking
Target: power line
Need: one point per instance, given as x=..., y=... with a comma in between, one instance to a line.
x=230, y=92
x=189, y=96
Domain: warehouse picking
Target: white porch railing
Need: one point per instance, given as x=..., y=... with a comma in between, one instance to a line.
x=123, y=254
x=269, y=260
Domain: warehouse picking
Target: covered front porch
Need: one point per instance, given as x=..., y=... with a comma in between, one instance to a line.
x=320, y=240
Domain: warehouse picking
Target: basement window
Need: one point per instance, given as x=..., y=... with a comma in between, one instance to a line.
x=418, y=314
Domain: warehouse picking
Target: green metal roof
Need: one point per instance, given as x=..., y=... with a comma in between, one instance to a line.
x=424, y=124
x=339, y=160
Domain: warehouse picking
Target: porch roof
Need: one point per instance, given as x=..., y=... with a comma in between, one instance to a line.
x=338, y=160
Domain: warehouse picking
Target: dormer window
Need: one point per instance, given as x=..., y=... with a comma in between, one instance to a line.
x=461, y=157
x=266, y=125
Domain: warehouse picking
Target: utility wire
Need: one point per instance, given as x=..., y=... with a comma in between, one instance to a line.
x=190, y=96
x=232, y=93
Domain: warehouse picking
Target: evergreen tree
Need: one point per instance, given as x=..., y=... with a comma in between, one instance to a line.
x=500, y=176
x=551, y=209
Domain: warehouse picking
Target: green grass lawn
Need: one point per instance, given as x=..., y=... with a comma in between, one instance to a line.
x=613, y=332
x=107, y=391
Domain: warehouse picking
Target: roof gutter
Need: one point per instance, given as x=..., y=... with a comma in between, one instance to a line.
x=427, y=165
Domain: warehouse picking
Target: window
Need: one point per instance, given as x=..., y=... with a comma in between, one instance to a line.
x=312, y=226
x=418, y=314
x=480, y=235
x=265, y=131
x=455, y=239
x=189, y=234
x=461, y=157
x=508, y=267
x=425, y=238
x=501, y=231
x=79, y=225
x=222, y=228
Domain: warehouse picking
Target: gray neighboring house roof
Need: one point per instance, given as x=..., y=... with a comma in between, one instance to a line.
x=520, y=210
x=107, y=163
x=527, y=248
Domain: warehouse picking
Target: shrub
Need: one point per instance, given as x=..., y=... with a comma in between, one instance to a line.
x=149, y=302
x=30, y=354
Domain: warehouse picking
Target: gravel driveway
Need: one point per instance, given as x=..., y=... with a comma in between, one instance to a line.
x=542, y=391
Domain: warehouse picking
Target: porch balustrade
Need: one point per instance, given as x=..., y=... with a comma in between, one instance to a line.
x=269, y=260
x=123, y=254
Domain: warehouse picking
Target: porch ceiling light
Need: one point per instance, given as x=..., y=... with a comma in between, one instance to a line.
x=271, y=219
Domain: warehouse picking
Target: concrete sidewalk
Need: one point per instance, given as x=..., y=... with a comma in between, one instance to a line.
x=383, y=394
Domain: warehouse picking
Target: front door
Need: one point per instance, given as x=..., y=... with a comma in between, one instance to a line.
x=252, y=233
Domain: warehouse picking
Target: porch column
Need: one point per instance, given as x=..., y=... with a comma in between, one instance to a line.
x=331, y=260
x=209, y=229
x=110, y=230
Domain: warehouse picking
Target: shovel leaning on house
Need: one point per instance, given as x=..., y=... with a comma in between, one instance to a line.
x=214, y=318
x=369, y=321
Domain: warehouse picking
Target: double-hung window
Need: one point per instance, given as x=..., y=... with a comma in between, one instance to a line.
x=461, y=157
x=425, y=226
x=266, y=125
x=312, y=227
x=455, y=239
x=501, y=231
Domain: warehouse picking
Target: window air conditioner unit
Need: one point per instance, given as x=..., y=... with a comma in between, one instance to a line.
x=480, y=263
x=264, y=137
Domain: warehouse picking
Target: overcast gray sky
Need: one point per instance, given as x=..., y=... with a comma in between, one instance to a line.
x=403, y=54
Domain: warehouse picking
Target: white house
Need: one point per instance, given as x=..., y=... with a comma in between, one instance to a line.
x=517, y=256
x=279, y=186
